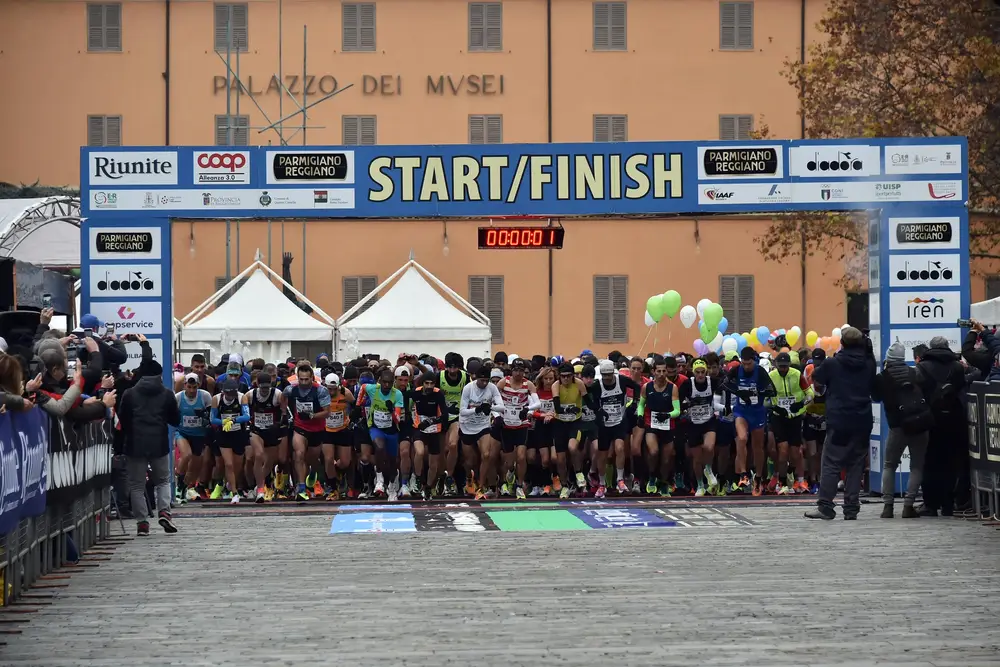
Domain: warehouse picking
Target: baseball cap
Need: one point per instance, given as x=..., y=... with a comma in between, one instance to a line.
x=606, y=367
x=192, y=377
x=496, y=373
x=783, y=358
x=236, y=357
x=699, y=364
x=332, y=379
x=401, y=371
x=91, y=322
x=230, y=384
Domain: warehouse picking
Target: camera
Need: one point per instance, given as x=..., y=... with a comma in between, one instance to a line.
x=46, y=301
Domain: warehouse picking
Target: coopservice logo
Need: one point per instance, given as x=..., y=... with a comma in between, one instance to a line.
x=125, y=313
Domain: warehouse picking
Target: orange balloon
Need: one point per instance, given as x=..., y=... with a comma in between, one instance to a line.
x=785, y=349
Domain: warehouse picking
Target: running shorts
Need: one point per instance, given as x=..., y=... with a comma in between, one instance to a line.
x=341, y=438
x=540, y=437
x=695, y=433
x=662, y=437
x=787, y=430
x=432, y=441
x=237, y=441
x=725, y=433
x=313, y=438
x=391, y=440
x=511, y=438
x=606, y=435
x=496, y=430
x=755, y=419
x=814, y=428
x=196, y=442
x=361, y=436
x=473, y=439
x=588, y=432
x=270, y=436
x=563, y=432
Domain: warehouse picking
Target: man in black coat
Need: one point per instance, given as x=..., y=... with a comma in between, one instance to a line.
x=146, y=412
x=946, y=448
x=849, y=378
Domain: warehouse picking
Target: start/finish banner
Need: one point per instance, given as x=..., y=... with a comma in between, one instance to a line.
x=24, y=448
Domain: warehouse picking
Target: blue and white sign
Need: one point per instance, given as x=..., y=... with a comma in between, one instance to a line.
x=621, y=518
x=373, y=522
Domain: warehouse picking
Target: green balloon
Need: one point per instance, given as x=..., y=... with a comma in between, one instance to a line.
x=653, y=307
x=712, y=316
x=670, y=303
x=708, y=333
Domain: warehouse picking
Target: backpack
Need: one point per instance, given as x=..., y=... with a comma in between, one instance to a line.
x=915, y=414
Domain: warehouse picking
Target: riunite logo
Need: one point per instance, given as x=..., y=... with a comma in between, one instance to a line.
x=106, y=167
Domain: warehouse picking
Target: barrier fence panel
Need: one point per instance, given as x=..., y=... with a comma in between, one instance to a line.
x=55, y=479
x=984, y=444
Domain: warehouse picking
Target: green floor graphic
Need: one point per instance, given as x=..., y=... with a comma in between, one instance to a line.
x=536, y=521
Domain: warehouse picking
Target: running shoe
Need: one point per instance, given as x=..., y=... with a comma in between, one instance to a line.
x=142, y=529
x=166, y=522
x=758, y=488
x=783, y=490
x=404, y=491
x=600, y=492
x=334, y=494
x=789, y=480
x=192, y=494
x=772, y=484
x=547, y=491
x=235, y=500
x=700, y=491
x=317, y=489
x=450, y=488
x=636, y=488
x=261, y=493
x=535, y=491
x=679, y=483
x=665, y=490
x=800, y=487
x=713, y=481
x=770, y=467
x=519, y=492
x=491, y=494
x=651, y=487
x=840, y=485
x=505, y=489
x=393, y=494
x=301, y=493
x=379, y=491
x=480, y=494
x=564, y=493
x=470, y=483
x=721, y=492
x=216, y=492
x=581, y=481
x=556, y=484
x=268, y=494
x=622, y=488
x=814, y=488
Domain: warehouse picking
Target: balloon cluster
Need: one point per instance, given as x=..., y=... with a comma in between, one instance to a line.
x=761, y=338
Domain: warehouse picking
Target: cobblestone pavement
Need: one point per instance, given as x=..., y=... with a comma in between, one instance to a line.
x=278, y=589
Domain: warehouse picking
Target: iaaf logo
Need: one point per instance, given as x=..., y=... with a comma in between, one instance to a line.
x=222, y=168
x=718, y=195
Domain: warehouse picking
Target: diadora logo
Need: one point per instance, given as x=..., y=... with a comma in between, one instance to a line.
x=920, y=308
x=930, y=271
x=125, y=313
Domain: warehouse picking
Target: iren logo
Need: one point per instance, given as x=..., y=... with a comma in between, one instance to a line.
x=926, y=309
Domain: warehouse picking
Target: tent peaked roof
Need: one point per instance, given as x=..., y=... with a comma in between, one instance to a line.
x=413, y=302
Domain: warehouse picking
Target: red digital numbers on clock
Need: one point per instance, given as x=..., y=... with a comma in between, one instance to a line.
x=520, y=238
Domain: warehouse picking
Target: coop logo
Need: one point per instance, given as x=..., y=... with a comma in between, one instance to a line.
x=719, y=195
x=133, y=168
x=222, y=168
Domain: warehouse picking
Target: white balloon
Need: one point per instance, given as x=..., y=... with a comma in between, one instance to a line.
x=649, y=319
x=688, y=316
x=836, y=333
x=844, y=326
x=796, y=329
x=716, y=343
x=729, y=345
x=704, y=303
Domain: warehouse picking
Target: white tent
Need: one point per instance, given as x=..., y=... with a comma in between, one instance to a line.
x=43, y=231
x=412, y=316
x=258, y=320
x=987, y=312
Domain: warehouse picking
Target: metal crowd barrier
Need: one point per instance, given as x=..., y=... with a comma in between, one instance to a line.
x=75, y=475
x=984, y=446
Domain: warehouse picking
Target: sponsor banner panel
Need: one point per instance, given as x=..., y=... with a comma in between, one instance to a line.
x=223, y=167
x=310, y=167
x=834, y=160
x=740, y=162
x=938, y=270
x=134, y=351
x=112, y=280
x=924, y=307
x=745, y=193
x=875, y=192
x=132, y=317
x=234, y=199
x=910, y=338
x=117, y=168
x=935, y=159
x=935, y=233
x=108, y=243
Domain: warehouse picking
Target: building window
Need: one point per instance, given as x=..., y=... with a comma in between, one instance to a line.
x=104, y=27
x=485, y=26
x=486, y=296
x=486, y=129
x=241, y=130
x=992, y=290
x=104, y=130
x=610, y=309
x=357, y=288
x=359, y=130
x=222, y=281
x=359, y=26
x=609, y=26
x=736, y=299
x=736, y=26
x=231, y=27
x=610, y=128
x=735, y=127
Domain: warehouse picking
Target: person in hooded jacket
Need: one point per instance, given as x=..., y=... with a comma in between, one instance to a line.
x=905, y=397
x=851, y=386
x=980, y=347
x=947, y=446
x=146, y=412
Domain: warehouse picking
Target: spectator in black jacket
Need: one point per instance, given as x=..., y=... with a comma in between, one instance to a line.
x=905, y=397
x=146, y=412
x=850, y=381
x=977, y=351
x=112, y=350
x=946, y=447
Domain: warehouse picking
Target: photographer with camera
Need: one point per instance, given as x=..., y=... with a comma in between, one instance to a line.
x=71, y=369
x=112, y=349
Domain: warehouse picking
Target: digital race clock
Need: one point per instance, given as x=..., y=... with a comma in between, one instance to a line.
x=521, y=238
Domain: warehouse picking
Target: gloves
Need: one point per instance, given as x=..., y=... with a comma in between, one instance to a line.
x=685, y=404
x=452, y=409
x=355, y=414
x=779, y=411
x=662, y=416
x=571, y=409
x=424, y=423
x=603, y=414
x=483, y=408
x=227, y=425
x=744, y=395
x=796, y=406
x=305, y=416
x=523, y=414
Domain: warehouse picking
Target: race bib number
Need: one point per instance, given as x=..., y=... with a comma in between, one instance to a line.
x=433, y=428
x=382, y=419
x=700, y=414
x=512, y=415
x=303, y=406
x=335, y=420
x=656, y=424
x=614, y=414
x=786, y=402
x=192, y=421
x=263, y=420
x=754, y=400
x=547, y=405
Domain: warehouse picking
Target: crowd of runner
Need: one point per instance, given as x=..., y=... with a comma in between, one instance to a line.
x=504, y=427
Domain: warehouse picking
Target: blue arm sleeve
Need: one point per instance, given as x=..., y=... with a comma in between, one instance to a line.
x=244, y=415
x=216, y=419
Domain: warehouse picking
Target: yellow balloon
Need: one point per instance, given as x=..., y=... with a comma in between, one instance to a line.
x=792, y=336
x=811, y=338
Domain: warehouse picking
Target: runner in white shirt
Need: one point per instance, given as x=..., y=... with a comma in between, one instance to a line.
x=480, y=401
